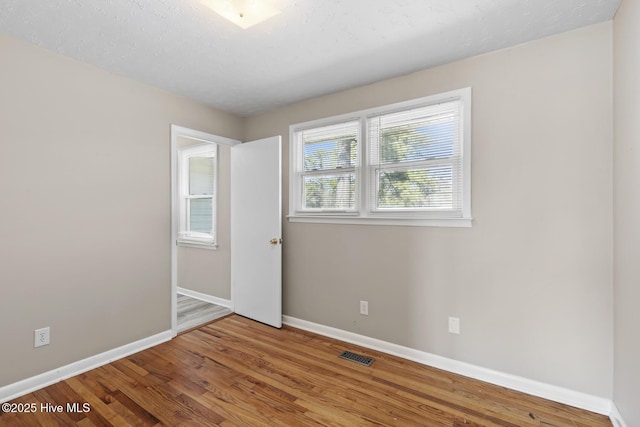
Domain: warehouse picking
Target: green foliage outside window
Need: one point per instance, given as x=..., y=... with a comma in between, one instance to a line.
x=399, y=185
x=401, y=181
x=330, y=191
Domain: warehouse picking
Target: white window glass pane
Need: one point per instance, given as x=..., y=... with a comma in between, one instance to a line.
x=425, y=133
x=201, y=215
x=418, y=157
x=331, y=192
x=330, y=147
x=417, y=141
x=201, y=171
x=430, y=188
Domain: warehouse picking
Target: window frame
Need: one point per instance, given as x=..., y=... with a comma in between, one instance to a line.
x=365, y=212
x=186, y=237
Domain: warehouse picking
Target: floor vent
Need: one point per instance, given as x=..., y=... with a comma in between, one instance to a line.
x=358, y=358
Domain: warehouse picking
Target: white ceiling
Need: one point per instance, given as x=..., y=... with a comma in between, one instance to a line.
x=313, y=47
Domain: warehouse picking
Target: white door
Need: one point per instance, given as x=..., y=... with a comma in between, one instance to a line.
x=256, y=230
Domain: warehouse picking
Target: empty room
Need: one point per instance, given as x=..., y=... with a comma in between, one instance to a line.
x=322, y=213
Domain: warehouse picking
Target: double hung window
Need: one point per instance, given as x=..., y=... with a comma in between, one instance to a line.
x=407, y=163
x=198, y=193
x=328, y=172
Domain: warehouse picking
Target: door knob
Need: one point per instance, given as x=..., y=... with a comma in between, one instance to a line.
x=275, y=241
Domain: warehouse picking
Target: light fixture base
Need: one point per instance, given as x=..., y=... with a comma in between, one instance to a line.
x=243, y=13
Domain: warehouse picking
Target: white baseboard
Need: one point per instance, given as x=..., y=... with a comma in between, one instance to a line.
x=45, y=379
x=577, y=399
x=616, y=417
x=558, y=394
x=206, y=298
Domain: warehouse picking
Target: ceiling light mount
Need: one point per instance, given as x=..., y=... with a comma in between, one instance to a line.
x=243, y=13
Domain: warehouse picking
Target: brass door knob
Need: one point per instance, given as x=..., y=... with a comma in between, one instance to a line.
x=275, y=241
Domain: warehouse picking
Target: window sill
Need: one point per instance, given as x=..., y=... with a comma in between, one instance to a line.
x=199, y=245
x=411, y=222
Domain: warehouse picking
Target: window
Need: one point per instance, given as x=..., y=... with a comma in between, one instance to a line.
x=406, y=163
x=197, y=192
x=329, y=167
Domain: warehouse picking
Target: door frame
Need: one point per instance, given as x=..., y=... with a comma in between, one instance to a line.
x=177, y=132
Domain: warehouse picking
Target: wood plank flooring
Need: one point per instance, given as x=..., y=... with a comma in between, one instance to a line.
x=193, y=312
x=236, y=372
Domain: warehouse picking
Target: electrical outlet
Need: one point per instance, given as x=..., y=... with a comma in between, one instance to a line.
x=364, y=308
x=41, y=337
x=454, y=325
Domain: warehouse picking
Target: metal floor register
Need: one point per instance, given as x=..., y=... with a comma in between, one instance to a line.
x=358, y=358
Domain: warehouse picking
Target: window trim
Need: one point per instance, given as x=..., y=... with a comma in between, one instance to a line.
x=364, y=214
x=200, y=240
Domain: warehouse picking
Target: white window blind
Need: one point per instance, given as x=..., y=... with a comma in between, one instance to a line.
x=197, y=182
x=415, y=159
x=328, y=167
x=200, y=196
x=407, y=163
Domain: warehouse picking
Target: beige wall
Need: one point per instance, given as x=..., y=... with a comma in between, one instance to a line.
x=85, y=202
x=627, y=210
x=83, y=252
x=209, y=271
x=532, y=279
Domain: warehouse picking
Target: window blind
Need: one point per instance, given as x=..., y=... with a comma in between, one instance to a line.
x=329, y=161
x=415, y=159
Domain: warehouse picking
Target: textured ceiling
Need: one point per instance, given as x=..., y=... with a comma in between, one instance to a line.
x=313, y=47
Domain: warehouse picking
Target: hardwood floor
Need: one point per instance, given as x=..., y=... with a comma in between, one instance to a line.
x=193, y=312
x=236, y=372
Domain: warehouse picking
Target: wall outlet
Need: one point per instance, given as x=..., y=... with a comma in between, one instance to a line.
x=454, y=325
x=364, y=308
x=41, y=337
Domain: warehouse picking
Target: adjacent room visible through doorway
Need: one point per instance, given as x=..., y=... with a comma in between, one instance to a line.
x=193, y=312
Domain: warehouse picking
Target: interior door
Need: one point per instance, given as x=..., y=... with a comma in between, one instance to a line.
x=256, y=230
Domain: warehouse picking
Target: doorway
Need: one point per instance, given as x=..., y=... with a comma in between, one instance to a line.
x=200, y=227
x=247, y=201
